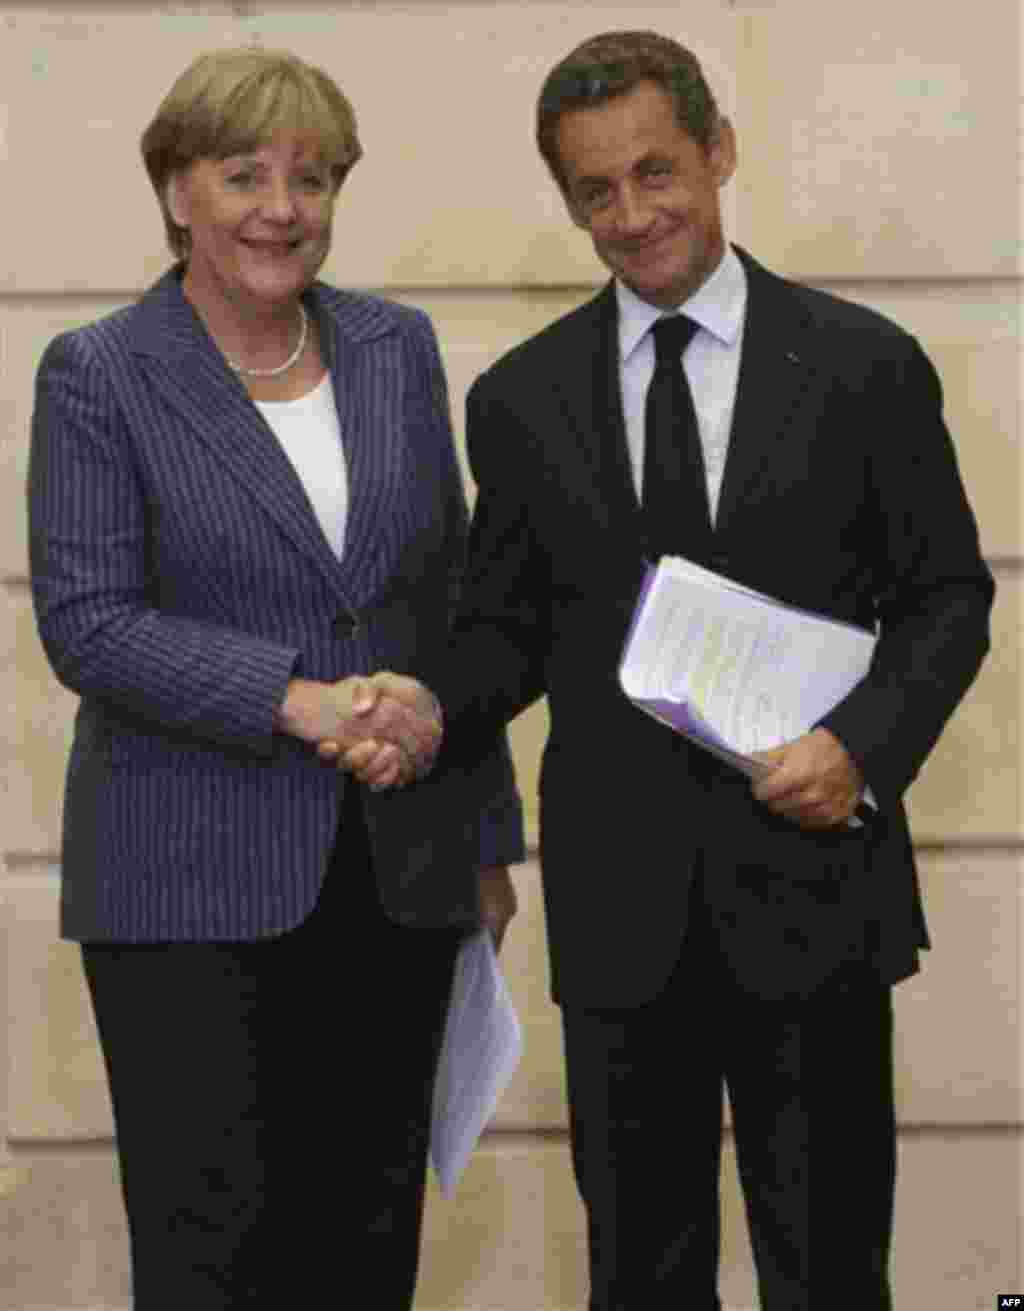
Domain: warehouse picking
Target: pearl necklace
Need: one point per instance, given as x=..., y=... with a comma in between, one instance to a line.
x=246, y=372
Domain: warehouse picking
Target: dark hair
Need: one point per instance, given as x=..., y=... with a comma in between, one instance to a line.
x=613, y=63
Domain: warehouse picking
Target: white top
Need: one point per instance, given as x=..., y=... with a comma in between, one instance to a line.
x=711, y=363
x=310, y=436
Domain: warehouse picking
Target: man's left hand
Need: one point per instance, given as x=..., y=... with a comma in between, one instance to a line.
x=497, y=901
x=812, y=781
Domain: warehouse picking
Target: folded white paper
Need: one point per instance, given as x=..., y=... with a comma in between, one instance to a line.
x=733, y=670
x=481, y=1048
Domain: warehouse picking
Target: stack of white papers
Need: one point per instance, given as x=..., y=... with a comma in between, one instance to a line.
x=482, y=1045
x=731, y=669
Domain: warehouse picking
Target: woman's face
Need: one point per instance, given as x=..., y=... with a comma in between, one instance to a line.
x=260, y=223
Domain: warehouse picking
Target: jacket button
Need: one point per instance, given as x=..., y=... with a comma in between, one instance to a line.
x=345, y=625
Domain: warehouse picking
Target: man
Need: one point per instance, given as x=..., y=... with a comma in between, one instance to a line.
x=706, y=932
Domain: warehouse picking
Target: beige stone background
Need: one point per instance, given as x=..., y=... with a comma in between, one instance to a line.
x=878, y=158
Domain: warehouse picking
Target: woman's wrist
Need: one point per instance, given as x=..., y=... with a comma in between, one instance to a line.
x=301, y=711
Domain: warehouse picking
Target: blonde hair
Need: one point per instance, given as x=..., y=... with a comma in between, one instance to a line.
x=230, y=102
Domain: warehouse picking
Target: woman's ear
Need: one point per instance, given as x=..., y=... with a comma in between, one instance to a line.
x=174, y=196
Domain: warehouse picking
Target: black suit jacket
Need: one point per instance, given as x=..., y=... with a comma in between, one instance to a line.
x=841, y=494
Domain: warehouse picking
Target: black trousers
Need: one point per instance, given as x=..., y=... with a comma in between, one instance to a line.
x=272, y=1102
x=811, y=1090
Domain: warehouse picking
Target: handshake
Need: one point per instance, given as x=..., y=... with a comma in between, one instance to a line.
x=383, y=728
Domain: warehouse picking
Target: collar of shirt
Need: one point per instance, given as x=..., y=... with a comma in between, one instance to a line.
x=718, y=305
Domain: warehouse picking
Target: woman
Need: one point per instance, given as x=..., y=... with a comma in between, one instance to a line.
x=243, y=499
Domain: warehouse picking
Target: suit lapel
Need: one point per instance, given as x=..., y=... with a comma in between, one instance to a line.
x=777, y=367
x=590, y=397
x=777, y=370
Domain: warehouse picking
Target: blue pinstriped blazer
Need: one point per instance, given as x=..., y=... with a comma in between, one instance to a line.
x=181, y=578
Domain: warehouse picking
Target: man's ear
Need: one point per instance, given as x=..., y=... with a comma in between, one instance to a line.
x=722, y=152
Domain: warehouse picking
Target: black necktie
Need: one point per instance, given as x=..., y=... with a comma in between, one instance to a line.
x=677, y=519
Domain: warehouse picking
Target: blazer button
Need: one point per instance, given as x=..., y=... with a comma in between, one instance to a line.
x=345, y=625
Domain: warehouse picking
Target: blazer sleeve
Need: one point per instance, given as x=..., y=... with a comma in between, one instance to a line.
x=934, y=589
x=502, y=625
x=492, y=778
x=95, y=598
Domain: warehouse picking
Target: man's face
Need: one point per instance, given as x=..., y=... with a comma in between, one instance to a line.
x=646, y=191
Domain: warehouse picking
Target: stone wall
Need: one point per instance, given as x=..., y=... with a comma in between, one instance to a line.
x=878, y=158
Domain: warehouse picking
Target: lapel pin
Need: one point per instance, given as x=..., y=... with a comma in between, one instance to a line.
x=792, y=357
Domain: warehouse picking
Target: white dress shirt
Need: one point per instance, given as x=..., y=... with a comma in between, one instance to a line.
x=310, y=435
x=711, y=363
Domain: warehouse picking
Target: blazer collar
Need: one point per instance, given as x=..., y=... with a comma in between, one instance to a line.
x=166, y=326
x=192, y=376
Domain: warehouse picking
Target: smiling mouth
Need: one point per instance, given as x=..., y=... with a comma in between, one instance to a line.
x=648, y=246
x=649, y=253
x=273, y=247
